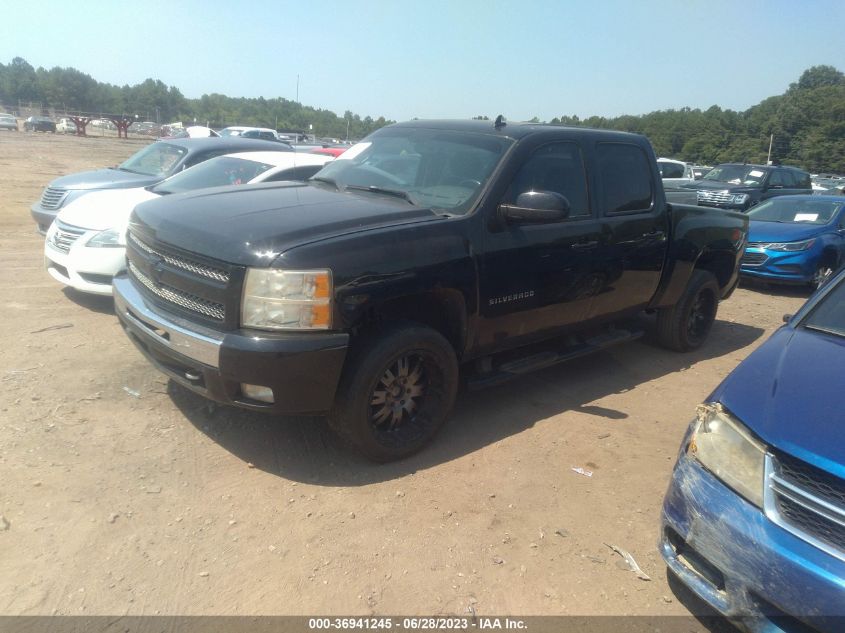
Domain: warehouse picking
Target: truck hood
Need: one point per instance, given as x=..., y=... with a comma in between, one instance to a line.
x=782, y=231
x=107, y=209
x=251, y=225
x=104, y=179
x=790, y=399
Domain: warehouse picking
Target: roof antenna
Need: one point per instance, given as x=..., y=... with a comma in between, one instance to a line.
x=500, y=122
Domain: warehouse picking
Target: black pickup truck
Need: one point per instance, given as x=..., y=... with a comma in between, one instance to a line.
x=427, y=248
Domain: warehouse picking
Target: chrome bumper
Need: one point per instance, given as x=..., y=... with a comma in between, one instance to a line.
x=179, y=335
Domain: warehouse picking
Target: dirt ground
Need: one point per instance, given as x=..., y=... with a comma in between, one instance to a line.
x=124, y=494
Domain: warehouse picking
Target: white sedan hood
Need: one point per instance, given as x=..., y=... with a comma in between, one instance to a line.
x=105, y=209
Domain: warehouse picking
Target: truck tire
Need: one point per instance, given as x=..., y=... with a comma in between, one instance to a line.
x=396, y=390
x=685, y=326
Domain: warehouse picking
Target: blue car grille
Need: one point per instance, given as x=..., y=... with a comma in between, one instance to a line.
x=809, y=502
x=752, y=258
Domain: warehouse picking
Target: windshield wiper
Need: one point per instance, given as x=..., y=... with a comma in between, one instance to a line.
x=330, y=181
x=397, y=193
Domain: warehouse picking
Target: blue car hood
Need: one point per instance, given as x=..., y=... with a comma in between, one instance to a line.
x=104, y=179
x=790, y=399
x=759, y=231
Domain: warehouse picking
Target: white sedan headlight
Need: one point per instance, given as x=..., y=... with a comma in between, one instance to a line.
x=110, y=238
x=287, y=300
x=727, y=449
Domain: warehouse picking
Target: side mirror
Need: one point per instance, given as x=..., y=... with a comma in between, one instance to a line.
x=787, y=318
x=536, y=207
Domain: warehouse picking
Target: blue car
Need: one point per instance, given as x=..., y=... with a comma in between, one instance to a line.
x=795, y=239
x=753, y=521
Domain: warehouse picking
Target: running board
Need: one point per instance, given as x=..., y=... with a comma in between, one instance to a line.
x=512, y=368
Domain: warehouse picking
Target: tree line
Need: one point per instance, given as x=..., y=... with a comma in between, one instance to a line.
x=805, y=125
x=68, y=90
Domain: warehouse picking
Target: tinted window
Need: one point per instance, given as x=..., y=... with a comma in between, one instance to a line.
x=671, y=170
x=802, y=180
x=625, y=176
x=295, y=173
x=779, y=179
x=556, y=167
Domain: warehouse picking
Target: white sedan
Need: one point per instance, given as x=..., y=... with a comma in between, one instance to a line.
x=85, y=246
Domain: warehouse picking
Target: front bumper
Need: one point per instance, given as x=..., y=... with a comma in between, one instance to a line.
x=302, y=368
x=43, y=217
x=797, y=267
x=85, y=269
x=741, y=563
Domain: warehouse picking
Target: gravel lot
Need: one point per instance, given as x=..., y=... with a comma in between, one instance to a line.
x=124, y=494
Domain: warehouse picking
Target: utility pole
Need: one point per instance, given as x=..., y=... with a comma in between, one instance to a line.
x=769, y=158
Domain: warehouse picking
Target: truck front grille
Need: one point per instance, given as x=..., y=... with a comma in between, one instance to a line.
x=714, y=197
x=65, y=236
x=183, y=263
x=52, y=198
x=196, y=304
x=809, y=502
x=186, y=283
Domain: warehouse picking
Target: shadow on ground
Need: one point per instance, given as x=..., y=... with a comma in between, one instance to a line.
x=304, y=449
x=714, y=621
x=95, y=303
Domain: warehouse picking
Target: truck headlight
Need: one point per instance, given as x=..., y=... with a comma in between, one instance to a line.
x=726, y=448
x=286, y=299
x=790, y=246
x=110, y=238
x=740, y=198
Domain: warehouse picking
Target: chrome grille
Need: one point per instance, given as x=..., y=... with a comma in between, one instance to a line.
x=179, y=297
x=714, y=197
x=52, y=198
x=752, y=258
x=65, y=236
x=807, y=501
x=180, y=262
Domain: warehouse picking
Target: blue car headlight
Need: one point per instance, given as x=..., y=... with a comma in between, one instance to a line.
x=789, y=247
x=725, y=447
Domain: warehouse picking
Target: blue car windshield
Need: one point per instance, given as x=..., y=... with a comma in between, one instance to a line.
x=809, y=210
x=829, y=314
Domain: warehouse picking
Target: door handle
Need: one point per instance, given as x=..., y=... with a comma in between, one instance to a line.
x=655, y=234
x=583, y=246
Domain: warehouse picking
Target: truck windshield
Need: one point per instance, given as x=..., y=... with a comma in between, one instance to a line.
x=156, y=159
x=217, y=172
x=441, y=169
x=737, y=174
x=829, y=314
x=809, y=210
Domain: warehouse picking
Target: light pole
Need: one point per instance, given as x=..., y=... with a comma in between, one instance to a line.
x=347, y=130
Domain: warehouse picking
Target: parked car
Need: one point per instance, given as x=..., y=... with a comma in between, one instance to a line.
x=85, y=245
x=147, y=166
x=66, y=126
x=753, y=521
x=700, y=171
x=192, y=131
x=8, y=122
x=330, y=151
x=263, y=133
x=795, y=239
x=428, y=245
x=39, y=124
x=741, y=186
x=675, y=172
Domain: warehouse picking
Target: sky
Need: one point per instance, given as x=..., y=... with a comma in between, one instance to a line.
x=403, y=59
